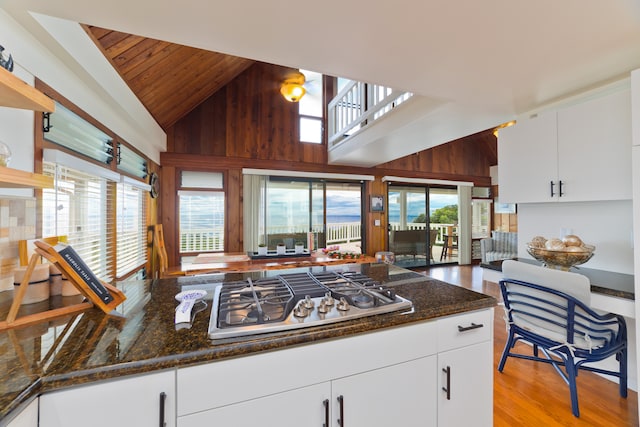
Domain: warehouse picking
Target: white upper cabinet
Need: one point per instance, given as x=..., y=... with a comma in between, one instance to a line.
x=578, y=153
x=594, y=149
x=528, y=160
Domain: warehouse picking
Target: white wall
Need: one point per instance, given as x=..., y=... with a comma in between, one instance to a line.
x=606, y=225
x=16, y=130
x=136, y=126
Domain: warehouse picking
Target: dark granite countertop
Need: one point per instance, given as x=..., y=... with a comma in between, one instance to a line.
x=93, y=346
x=602, y=282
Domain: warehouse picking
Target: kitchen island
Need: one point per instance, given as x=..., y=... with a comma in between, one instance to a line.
x=120, y=358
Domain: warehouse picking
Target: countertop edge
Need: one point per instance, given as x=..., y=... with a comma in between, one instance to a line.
x=49, y=383
x=437, y=300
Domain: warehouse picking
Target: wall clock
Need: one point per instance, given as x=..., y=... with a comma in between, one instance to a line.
x=154, y=182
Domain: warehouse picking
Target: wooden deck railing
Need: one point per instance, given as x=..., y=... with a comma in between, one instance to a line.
x=207, y=240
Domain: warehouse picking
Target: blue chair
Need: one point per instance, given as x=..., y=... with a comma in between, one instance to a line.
x=561, y=325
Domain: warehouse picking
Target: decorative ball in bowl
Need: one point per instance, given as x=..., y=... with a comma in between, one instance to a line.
x=562, y=253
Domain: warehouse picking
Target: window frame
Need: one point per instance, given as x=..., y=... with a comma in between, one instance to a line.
x=40, y=143
x=180, y=188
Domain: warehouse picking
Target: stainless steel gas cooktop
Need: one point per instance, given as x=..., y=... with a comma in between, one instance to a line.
x=297, y=300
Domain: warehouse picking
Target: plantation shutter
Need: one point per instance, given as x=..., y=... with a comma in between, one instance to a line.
x=78, y=207
x=131, y=226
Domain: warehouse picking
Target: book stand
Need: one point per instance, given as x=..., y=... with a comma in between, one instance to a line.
x=47, y=251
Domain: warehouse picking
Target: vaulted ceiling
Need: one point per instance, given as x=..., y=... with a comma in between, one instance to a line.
x=169, y=79
x=476, y=64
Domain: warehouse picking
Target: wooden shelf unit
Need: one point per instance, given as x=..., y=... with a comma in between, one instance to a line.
x=15, y=93
x=14, y=178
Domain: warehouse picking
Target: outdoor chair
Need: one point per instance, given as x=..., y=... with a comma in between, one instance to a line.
x=549, y=309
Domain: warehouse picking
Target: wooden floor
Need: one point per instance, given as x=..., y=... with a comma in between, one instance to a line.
x=527, y=393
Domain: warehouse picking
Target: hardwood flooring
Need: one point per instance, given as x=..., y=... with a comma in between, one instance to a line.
x=527, y=393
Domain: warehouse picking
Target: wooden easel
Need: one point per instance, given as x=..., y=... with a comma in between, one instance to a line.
x=47, y=251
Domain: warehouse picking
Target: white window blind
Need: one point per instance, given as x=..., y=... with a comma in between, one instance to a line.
x=77, y=207
x=201, y=221
x=131, y=228
x=194, y=179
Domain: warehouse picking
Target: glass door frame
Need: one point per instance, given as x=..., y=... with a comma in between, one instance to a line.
x=428, y=241
x=316, y=185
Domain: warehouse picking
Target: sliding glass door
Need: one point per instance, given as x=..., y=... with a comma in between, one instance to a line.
x=344, y=216
x=423, y=225
x=316, y=213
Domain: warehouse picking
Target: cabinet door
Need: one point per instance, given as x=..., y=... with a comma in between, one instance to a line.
x=465, y=386
x=528, y=160
x=133, y=401
x=398, y=395
x=594, y=149
x=300, y=407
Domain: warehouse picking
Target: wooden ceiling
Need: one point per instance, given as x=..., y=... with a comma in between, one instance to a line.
x=169, y=79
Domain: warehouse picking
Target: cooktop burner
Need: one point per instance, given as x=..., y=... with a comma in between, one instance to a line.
x=297, y=300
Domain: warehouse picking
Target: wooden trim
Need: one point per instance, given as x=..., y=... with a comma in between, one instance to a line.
x=202, y=162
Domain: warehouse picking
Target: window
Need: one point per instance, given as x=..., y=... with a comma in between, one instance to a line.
x=310, y=108
x=330, y=211
x=77, y=207
x=66, y=128
x=100, y=210
x=480, y=218
x=202, y=203
x=131, y=227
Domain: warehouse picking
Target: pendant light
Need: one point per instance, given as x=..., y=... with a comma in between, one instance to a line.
x=293, y=87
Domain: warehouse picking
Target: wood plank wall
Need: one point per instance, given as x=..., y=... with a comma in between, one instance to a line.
x=249, y=125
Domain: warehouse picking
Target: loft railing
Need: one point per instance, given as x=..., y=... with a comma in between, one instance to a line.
x=357, y=105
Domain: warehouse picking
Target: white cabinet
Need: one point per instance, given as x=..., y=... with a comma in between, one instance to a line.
x=462, y=373
x=465, y=374
x=135, y=401
x=384, y=378
x=306, y=406
x=28, y=417
x=578, y=153
x=528, y=160
x=398, y=395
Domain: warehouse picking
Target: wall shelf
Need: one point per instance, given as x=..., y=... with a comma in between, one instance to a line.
x=15, y=93
x=14, y=178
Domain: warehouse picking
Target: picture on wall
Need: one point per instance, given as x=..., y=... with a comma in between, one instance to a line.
x=503, y=208
x=377, y=204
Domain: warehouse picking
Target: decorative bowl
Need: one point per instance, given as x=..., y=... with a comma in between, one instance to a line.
x=561, y=259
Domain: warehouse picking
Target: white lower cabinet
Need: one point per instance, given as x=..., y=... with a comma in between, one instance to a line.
x=393, y=377
x=399, y=395
x=435, y=373
x=466, y=386
x=140, y=401
x=300, y=407
x=465, y=370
